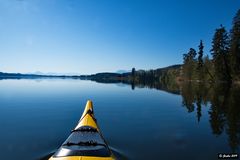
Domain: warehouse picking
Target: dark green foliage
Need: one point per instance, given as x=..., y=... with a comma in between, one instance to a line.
x=163, y=75
x=200, y=69
x=133, y=72
x=208, y=69
x=235, y=47
x=219, y=51
x=189, y=64
x=157, y=78
x=225, y=63
x=200, y=55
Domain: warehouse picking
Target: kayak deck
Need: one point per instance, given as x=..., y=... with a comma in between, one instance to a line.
x=85, y=141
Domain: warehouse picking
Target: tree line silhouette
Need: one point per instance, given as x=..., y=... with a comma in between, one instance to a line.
x=225, y=63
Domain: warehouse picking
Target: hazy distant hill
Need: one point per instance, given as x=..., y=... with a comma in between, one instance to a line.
x=29, y=76
x=2, y=74
x=162, y=78
x=122, y=71
x=160, y=74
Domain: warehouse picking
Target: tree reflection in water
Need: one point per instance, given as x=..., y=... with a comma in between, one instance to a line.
x=223, y=100
x=224, y=111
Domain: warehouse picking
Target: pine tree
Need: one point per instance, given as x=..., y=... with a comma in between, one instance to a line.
x=200, y=54
x=189, y=64
x=235, y=47
x=219, y=51
x=200, y=61
x=133, y=72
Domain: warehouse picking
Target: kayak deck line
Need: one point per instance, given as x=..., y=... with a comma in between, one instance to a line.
x=85, y=129
x=85, y=141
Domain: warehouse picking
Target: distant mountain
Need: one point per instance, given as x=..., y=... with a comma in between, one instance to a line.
x=37, y=73
x=122, y=71
x=53, y=73
x=176, y=66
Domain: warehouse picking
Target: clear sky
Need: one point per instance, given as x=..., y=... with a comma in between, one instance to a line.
x=89, y=36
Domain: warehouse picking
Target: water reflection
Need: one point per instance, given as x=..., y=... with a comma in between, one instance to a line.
x=224, y=111
x=223, y=101
x=194, y=113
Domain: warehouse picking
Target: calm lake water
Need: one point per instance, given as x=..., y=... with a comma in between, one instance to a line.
x=36, y=116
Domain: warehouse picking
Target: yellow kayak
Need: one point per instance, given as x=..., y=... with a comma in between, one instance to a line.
x=85, y=141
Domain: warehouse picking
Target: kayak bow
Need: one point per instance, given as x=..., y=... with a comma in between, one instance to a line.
x=85, y=141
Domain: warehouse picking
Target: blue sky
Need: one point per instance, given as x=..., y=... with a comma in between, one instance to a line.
x=89, y=36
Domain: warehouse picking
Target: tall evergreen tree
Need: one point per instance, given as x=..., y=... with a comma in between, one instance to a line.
x=200, y=62
x=189, y=64
x=219, y=51
x=133, y=71
x=235, y=47
x=200, y=54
